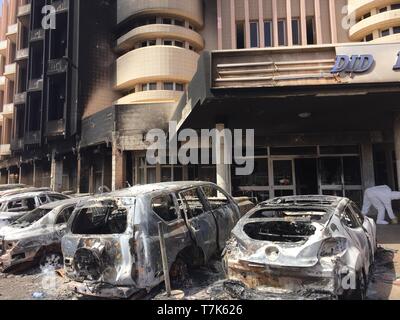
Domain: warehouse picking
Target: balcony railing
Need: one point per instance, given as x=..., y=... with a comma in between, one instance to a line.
x=37, y=35
x=56, y=128
x=61, y=5
x=17, y=144
x=24, y=10
x=8, y=110
x=32, y=137
x=22, y=54
x=57, y=66
x=5, y=150
x=12, y=31
x=20, y=98
x=10, y=70
x=35, y=85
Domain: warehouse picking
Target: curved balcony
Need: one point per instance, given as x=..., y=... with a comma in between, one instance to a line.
x=189, y=9
x=361, y=7
x=155, y=63
x=154, y=31
x=153, y=96
x=378, y=21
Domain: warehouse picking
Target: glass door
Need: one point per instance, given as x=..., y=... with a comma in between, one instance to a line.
x=283, y=179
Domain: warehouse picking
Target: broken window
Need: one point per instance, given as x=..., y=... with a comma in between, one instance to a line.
x=58, y=38
x=280, y=231
x=56, y=97
x=35, y=103
x=164, y=207
x=101, y=217
x=285, y=213
x=191, y=202
x=215, y=197
x=27, y=204
x=31, y=217
x=64, y=215
x=349, y=219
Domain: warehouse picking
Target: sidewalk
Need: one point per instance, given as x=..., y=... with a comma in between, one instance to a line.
x=383, y=286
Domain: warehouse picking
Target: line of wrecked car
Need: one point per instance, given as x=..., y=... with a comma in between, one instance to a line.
x=303, y=243
x=112, y=247
x=18, y=203
x=35, y=238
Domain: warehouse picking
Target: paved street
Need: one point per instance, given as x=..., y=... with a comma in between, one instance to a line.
x=387, y=272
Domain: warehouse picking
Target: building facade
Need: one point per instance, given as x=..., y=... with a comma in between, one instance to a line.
x=318, y=81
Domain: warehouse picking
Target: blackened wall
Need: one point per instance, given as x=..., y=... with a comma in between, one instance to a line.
x=97, y=20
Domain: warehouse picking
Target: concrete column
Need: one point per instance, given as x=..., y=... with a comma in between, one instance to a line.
x=261, y=23
x=247, y=23
x=367, y=159
x=56, y=173
x=390, y=167
x=275, y=23
x=219, y=23
x=233, y=24
x=118, y=169
x=396, y=129
x=332, y=20
x=78, y=172
x=303, y=22
x=223, y=170
x=289, y=23
x=318, y=27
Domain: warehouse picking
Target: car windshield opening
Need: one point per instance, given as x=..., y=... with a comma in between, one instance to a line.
x=287, y=213
x=31, y=217
x=100, y=217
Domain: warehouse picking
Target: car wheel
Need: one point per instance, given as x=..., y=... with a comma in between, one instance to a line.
x=51, y=260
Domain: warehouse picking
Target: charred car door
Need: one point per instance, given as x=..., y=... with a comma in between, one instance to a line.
x=225, y=212
x=368, y=226
x=200, y=221
x=357, y=233
x=176, y=233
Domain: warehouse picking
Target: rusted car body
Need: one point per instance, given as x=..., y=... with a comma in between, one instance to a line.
x=112, y=245
x=303, y=244
x=36, y=236
x=18, y=203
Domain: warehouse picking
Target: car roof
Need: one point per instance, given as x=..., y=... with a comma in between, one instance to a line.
x=153, y=188
x=62, y=203
x=308, y=200
x=5, y=187
x=26, y=195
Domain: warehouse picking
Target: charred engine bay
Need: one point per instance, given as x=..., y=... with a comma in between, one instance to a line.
x=281, y=231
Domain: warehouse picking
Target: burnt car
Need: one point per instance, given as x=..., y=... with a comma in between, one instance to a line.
x=112, y=246
x=35, y=238
x=301, y=245
x=15, y=205
x=4, y=188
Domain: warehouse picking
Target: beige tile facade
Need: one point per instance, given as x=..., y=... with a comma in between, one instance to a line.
x=160, y=53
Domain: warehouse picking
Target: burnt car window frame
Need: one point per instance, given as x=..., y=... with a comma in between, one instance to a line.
x=183, y=201
x=62, y=213
x=174, y=200
x=352, y=217
x=218, y=189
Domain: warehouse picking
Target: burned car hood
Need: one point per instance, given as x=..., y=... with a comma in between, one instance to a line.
x=12, y=233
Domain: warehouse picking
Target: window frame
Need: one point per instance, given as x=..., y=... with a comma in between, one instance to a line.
x=173, y=198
